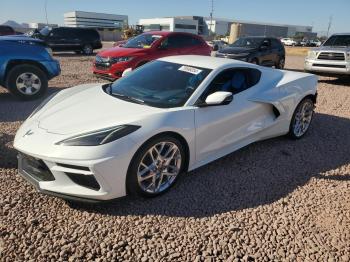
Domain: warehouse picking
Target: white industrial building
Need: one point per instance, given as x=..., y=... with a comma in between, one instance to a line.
x=221, y=27
x=95, y=20
x=171, y=24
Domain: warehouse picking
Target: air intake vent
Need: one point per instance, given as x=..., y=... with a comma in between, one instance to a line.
x=74, y=167
x=88, y=181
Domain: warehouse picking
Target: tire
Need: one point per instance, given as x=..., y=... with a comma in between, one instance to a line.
x=87, y=49
x=307, y=119
x=255, y=61
x=137, y=187
x=36, y=87
x=280, y=63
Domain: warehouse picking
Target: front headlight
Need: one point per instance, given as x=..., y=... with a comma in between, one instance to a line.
x=43, y=103
x=311, y=54
x=114, y=60
x=99, y=137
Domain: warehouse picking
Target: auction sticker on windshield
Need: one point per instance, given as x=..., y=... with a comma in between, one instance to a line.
x=190, y=69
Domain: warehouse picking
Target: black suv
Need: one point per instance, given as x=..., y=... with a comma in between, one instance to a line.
x=80, y=40
x=266, y=51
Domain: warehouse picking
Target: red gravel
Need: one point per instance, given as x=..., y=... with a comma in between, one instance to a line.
x=274, y=200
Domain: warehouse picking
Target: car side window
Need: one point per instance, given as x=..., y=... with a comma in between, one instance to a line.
x=233, y=80
x=266, y=43
x=56, y=33
x=276, y=43
x=179, y=41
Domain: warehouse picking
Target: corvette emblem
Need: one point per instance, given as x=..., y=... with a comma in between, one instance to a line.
x=28, y=133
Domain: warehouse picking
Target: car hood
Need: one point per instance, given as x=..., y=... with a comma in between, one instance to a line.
x=20, y=38
x=332, y=48
x=122, y=51
x=237, y=50
x=88, y=108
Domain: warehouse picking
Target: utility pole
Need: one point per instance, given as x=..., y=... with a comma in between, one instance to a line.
x=329, y=25
x=211, y=17
x=47, y=20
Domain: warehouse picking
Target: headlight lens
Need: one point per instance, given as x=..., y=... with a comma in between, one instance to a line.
x=43, y=103
x=114, y=60
x=312, y=54
x=99, y=137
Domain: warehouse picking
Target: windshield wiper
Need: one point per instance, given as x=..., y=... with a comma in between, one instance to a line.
x=128, y=98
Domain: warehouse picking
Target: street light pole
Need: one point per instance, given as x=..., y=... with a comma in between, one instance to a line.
x=47, y=20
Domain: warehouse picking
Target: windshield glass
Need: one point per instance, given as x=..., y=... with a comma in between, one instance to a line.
x=338, y=40
x=247, y=42
x=159, y=84
x=142, y=41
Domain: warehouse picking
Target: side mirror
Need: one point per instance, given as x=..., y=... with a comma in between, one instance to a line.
x=126, y=72
x=218, y=98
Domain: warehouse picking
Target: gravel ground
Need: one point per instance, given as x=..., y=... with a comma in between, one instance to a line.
x=277, y=200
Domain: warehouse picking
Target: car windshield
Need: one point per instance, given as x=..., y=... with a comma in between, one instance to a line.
x=338, y=40
x=247, y=42
x=142, y=41
x=159, y=84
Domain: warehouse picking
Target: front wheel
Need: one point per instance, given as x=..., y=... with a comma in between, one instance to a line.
x=156, y=167
x=301, y=119
x=280, y=63
x=27, y=82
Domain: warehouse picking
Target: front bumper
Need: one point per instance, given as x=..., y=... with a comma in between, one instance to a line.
x=53, y=68
x=111, y=72
x=88, y=174
x=327, y=67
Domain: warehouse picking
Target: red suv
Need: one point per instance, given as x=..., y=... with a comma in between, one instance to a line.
x=146, y=47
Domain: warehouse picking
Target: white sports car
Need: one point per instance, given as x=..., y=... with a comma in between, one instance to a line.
x=139, y=134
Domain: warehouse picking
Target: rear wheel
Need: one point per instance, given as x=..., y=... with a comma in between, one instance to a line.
x=87, y=49
x=301, y=119
x=156, y=167
x=280, y=63
x=27, y=82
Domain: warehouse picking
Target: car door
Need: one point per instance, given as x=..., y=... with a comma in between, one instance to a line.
x=172, y=45
x=58, y=40
x=266, y=56
x=225, y=128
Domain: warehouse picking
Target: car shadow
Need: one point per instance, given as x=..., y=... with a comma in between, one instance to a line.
x=246, y=178
x=13, y=109
x=8, y=154
x=342, y=80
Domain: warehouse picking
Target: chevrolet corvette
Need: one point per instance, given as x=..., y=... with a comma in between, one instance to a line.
x=139, y=134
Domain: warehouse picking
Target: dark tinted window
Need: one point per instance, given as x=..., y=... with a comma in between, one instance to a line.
x=276, y=43
x=57, y=32
x=180, y=41
x=338, y=40
x=247, y=42
x=234, y=81
x=183, y=26
x=160, y=84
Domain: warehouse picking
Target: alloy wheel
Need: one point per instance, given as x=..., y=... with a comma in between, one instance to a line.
x=159, y=167
x=303, y=118
x=28, y=83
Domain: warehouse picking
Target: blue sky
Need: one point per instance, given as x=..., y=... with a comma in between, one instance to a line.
x=300, y=12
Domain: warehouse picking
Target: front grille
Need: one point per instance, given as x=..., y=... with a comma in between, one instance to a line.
x=331, y=56
x=36, y=168
x=88, y=181
x=328, y=65
x=102, y=66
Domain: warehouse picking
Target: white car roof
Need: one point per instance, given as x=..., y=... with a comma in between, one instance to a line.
x=204, y=61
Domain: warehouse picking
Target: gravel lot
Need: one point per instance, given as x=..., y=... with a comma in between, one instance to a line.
x=277, y=200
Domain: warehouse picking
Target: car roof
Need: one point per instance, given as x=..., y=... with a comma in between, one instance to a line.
x=208, y=62
x=166, y=33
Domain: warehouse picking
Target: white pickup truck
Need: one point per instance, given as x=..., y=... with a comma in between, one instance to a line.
x=332, y=58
